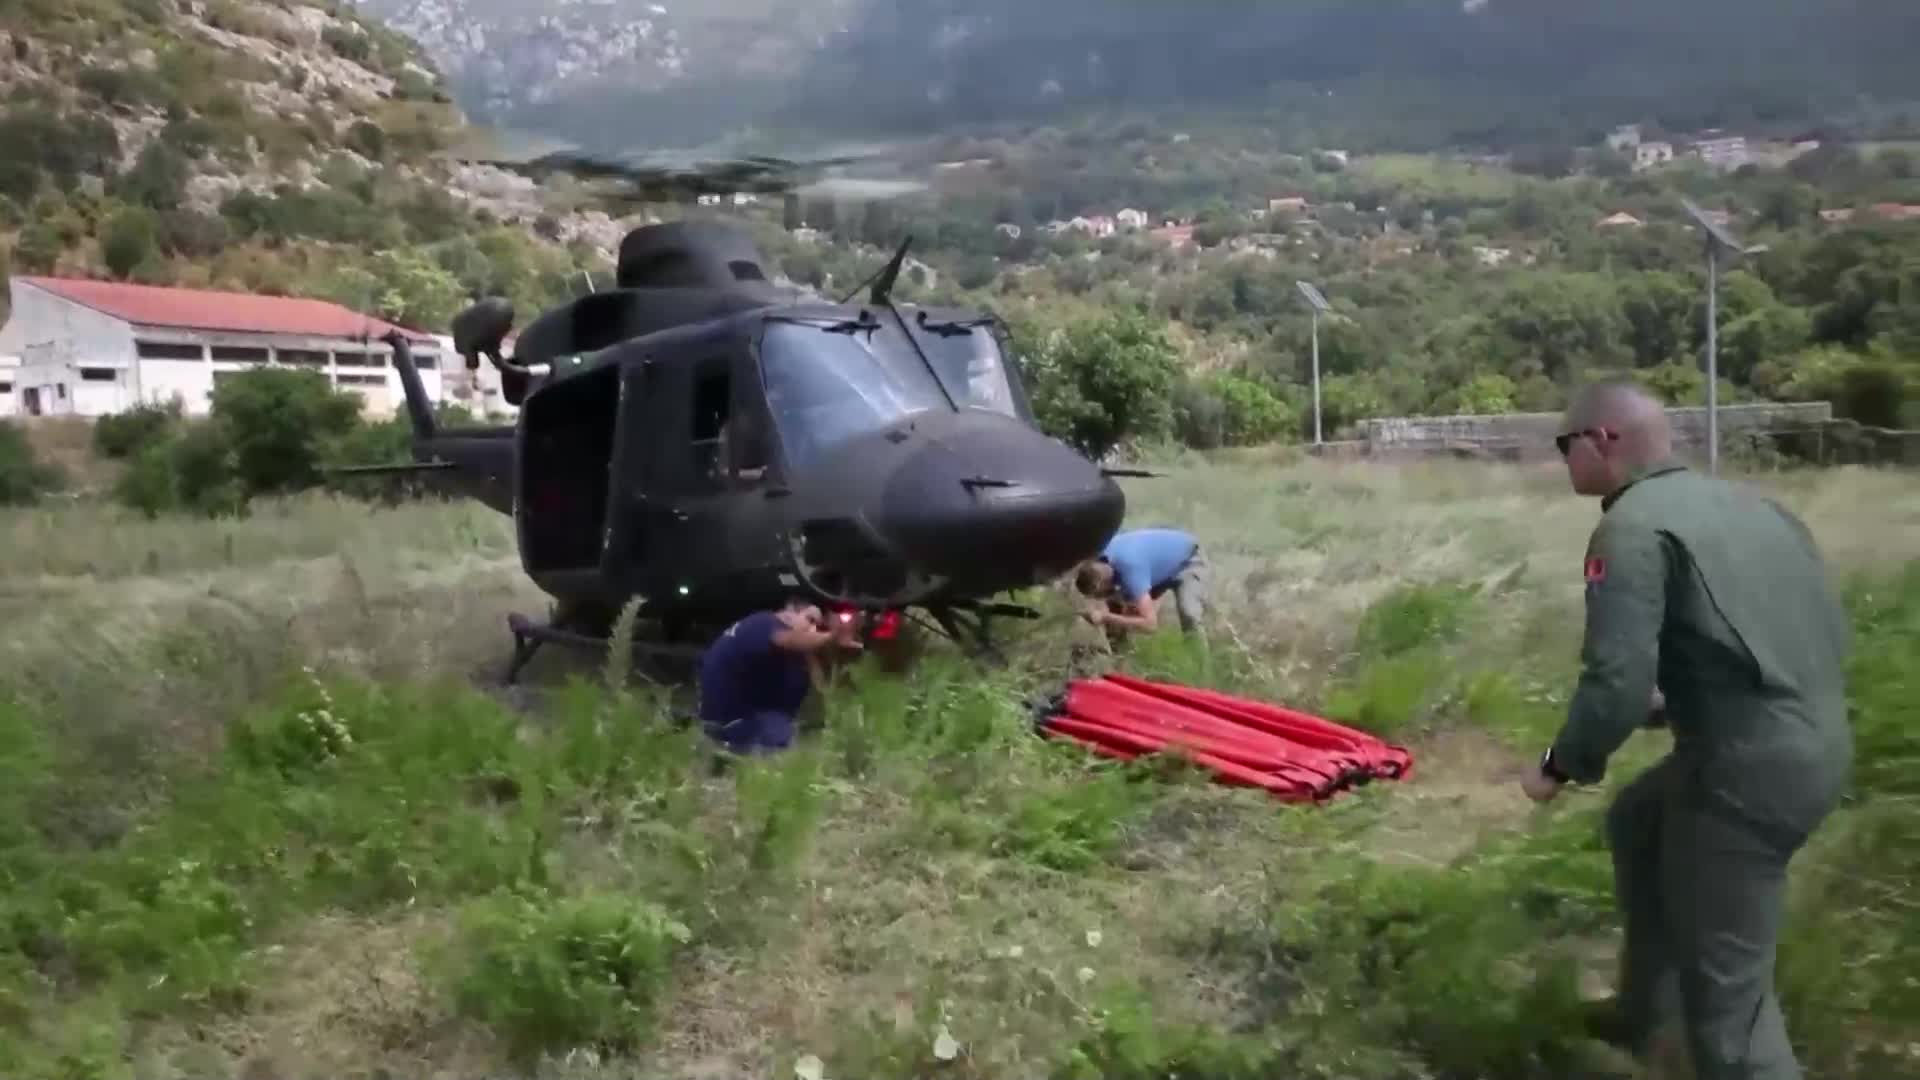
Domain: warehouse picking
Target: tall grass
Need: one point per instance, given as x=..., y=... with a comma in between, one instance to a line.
x=259, y=815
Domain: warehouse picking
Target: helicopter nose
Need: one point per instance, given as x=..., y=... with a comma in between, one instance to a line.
x=992, y=503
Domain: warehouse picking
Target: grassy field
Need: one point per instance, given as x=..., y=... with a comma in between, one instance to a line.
x=264, y=811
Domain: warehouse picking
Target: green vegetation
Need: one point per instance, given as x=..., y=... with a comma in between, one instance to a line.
x=23, y=477
x=269, y=431
x=1466, y=286
x=249, y=802
x=378, y=232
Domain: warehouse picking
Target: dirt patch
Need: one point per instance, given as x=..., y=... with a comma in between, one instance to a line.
x=342, y=996
x=1465, y=785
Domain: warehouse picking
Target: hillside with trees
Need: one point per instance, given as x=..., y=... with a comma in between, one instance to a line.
x=1469, y=285
x=267, y=147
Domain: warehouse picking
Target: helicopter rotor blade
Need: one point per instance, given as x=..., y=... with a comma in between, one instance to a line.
x=635, y=182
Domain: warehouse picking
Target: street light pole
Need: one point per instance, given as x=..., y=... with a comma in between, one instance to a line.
x=1713, y=357
x=1718, y=239
x=1316, y=378
x=1316, y=303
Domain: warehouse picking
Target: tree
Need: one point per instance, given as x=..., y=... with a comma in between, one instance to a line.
x=132, y=241
x=1103, y=381
x=1659, y=310
x=277, y=421
x=413, y=291
x=157, y=179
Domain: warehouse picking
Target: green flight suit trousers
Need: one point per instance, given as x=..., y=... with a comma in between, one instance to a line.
x=1703, y=896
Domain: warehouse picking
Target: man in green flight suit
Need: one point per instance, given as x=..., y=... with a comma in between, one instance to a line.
x=1718, y=599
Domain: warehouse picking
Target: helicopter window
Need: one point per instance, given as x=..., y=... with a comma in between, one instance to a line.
x=972, y=367
x=712, y=402
x=745, y=271
x=825, y=386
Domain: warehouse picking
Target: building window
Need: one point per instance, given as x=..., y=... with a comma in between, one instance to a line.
x=362, y=380
x=99, y=374
x=356, y=359
x=303, y=357
x=6, y=388
x=240, y=354
x=427, y=362
x=167, y=350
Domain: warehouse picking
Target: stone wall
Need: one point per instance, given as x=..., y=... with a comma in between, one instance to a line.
x=1528, y=435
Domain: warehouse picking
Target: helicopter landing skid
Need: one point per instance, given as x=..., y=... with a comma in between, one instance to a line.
x=529, y=635
x=971, y=628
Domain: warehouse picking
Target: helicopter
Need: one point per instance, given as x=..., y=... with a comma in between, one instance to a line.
x=710, y=443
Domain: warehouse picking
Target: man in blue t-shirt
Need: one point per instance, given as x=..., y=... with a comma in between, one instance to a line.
x=1137, y=567
x=756, y=675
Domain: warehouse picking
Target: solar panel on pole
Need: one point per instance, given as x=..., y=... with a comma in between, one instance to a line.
x=1320, y=306
x=1719, y=238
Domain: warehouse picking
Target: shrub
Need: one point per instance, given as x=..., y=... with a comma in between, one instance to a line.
x=131, y=241
x=23, y=478
x=561, y=974
x=277, y=421
x=1105, y=381
x=1874, y=394
x=120, y=435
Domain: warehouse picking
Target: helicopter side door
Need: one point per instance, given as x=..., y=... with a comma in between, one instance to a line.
x=710, y=461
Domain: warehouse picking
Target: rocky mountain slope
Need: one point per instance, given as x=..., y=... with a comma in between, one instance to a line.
x=266, y=145
x=505, y=54
x=1376, y=73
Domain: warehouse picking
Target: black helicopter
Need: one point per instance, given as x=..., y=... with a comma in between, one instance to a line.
x=712, y=443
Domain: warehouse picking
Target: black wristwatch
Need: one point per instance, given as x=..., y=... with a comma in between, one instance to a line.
x=1551, y=770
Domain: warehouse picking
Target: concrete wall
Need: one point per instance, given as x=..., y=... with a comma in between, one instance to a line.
x=56, y=340
x=1531, y=434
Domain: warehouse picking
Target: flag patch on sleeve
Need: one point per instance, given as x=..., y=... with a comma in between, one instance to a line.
x=1596, y=571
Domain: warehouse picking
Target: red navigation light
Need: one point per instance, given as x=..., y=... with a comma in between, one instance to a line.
x=887, y=626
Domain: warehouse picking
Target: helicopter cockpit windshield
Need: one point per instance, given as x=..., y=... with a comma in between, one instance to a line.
x=970, y=363
x=829, y=382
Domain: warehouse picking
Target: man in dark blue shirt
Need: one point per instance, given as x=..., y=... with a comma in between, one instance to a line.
x=755, y=676
x=1137, y=567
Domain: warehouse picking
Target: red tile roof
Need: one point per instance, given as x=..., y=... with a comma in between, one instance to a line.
x=201, y=309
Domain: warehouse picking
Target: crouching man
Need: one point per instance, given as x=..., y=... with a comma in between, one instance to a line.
x=1135, y=570
x=755, y=676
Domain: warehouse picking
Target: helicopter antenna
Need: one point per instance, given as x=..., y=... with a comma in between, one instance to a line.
x=883, y=296
x=890, y=273
x=588, y=274
x=891, y=268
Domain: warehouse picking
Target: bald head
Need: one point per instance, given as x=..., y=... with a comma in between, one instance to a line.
x=1626, y=408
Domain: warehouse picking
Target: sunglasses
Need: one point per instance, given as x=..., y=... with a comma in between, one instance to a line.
x=1565, y=442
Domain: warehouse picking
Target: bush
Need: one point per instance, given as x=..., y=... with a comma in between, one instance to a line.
x=1105, y=381
x=277, y=422
x=131, y=241
x=120, y=435
x=577, y=972
x=1875, y=394
x=23, y=478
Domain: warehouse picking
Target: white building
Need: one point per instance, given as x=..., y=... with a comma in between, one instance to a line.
x=1648, y=155
x=89, y=348
x=9, y=369
x=479, y=390
x=1728, y=152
